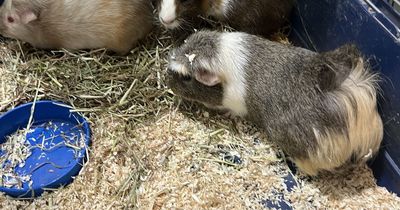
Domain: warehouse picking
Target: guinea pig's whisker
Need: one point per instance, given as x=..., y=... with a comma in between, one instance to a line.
x=186, y=25
x=157, y=20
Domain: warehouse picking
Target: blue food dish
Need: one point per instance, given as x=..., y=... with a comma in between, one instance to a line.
x=58, y=140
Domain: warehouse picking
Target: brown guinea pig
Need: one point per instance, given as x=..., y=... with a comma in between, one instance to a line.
x=320, y=108
x=261, y=17
x=77, y=24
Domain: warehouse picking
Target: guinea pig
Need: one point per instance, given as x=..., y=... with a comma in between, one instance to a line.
x=75, y=24
x=320, y=108
x=261, y=17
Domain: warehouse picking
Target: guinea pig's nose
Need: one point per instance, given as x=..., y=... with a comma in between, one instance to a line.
x=167, y=21
x=171, y=72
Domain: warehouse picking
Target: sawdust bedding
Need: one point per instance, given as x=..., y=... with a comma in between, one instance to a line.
x=151, y=150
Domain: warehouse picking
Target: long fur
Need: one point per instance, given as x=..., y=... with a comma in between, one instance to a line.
x=321, y=109
x=356, y=98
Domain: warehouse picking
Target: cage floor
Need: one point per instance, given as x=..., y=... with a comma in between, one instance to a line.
x=151, y=150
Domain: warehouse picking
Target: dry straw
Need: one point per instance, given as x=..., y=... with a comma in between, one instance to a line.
x=153, y=151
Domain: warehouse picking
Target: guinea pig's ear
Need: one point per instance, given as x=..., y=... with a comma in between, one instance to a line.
x=27, y=16
x=207, y=78
x=21, y=17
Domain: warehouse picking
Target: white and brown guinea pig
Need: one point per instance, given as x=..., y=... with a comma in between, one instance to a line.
x=320, y=108
x=261, y=17
x=77, y=24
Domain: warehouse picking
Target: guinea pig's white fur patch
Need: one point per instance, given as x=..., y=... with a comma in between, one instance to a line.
x=357, y=97
x=168, y=13
x=233, y=56
x=178, y=67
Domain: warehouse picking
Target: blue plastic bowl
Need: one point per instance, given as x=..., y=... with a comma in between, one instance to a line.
x=58, y=140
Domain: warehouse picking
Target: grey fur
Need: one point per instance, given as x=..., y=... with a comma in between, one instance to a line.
x=287, y=88
x=188, y=86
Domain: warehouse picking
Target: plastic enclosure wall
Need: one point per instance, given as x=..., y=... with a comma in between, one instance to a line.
x=370, y=24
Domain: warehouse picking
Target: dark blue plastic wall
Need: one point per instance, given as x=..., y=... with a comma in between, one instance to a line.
x=323, y=25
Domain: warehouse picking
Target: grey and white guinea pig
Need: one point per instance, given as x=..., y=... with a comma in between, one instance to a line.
x=320, y=108
x=261, y=17
x=75, y=24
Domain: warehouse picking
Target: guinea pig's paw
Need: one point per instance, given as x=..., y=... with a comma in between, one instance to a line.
x=228, y=114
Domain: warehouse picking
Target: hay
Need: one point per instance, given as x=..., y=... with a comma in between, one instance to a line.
x=15, y=152
x=150, y=150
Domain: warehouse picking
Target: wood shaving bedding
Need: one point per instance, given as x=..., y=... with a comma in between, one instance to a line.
x=150, y=150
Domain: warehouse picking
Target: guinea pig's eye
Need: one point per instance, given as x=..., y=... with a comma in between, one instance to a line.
x=10, y=19
x=185, y=1
x=186, y=78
